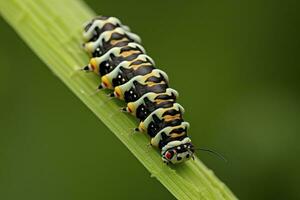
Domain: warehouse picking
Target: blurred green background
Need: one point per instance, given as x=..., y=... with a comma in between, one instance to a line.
x=236, y=66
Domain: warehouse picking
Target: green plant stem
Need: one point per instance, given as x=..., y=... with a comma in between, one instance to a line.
x=52, y=29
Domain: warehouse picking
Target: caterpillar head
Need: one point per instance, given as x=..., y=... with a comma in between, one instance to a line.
x=178, y=151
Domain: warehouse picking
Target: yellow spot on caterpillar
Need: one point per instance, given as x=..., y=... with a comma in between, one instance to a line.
x=142, y=127
x=114, y=42
x=128, y=53
x=135, y=67
x=153, y=142
x=175, y=135
x=150, y=84
x=88, y=47
x=168, y=118
x=130, y=107
x=158, y=101
x=119, y=93
x=93, y=64
x=106, y=82
x=136, y=59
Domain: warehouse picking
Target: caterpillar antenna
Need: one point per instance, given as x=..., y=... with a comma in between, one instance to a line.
x=213, y=152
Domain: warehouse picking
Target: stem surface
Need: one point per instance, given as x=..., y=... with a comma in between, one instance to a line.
x=52, y=29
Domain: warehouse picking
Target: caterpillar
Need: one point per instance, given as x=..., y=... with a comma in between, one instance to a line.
x=116, y=55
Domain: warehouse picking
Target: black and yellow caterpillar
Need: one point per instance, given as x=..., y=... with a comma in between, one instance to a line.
x=120, y=60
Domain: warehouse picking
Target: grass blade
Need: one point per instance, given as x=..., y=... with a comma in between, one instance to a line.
x=52, y=29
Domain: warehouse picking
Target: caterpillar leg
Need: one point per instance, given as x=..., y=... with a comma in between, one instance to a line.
x=149, y=145
x=153, y=142
x=87, y=68
x=95, y=92
x=135, y=130
x=193, y=157
x=124, y=109
x=100, y=87
x=112, y=95
x=78, y=69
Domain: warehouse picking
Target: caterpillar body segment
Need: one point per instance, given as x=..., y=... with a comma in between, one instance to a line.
x=151, y=101
x=105, y=36
x=158, y=139
x=155, y=77
x=119, y=59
